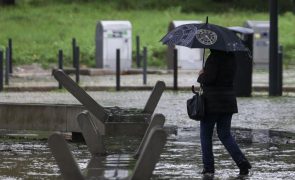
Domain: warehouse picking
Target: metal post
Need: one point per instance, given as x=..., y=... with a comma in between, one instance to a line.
x=1, y=70
x=10, y=55
x=77, y=57
x=7, y=67
x=60, y=64
x=144, y=65
x=138, y=51
x=273, y=48
x=118, y=69
x=175, y=73
x=74, y=49
x=280, y=72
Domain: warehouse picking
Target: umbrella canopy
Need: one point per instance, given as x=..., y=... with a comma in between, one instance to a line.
x=204, y=35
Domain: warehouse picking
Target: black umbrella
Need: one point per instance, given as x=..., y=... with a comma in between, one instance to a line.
x=204, y=35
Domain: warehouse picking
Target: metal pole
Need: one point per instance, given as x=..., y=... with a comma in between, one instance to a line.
x=77, y=57
x=74, y=49
x=138, y=51
x=10, y=54
x=118, y=69
x=273, y=49
x=144, y=65
x=280, y=72
x=175, y=72
x=1, y=70
x=60, y=64
x=7, y=67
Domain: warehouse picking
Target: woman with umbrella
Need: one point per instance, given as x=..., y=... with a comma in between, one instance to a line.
x=220, y=103
x=216, y=80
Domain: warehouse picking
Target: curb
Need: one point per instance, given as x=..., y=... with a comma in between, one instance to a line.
x=123, y=88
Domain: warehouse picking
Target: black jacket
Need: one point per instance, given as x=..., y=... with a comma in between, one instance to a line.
x=217, y=80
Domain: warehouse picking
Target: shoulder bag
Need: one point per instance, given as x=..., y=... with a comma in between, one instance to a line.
x=195, y=105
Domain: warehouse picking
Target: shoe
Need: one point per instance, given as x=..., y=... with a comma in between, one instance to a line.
x=244, y=167
x=207, y=171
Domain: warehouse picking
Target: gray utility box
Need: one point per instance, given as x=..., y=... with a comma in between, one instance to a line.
x=112, y=35
x=187, y=58
x=260, y=42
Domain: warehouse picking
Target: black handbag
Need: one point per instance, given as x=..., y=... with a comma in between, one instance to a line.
x=195, y=105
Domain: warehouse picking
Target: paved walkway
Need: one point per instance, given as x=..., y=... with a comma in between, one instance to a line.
x=34, y=80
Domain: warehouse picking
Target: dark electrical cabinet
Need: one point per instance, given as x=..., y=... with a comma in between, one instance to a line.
x=244, y=60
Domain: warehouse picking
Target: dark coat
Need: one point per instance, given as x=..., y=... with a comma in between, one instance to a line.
x=217, y=80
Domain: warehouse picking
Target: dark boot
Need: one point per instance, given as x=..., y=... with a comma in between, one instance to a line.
x=244, y=167
x=208, y=171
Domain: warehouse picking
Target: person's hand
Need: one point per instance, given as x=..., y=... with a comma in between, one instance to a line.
x=201, y=72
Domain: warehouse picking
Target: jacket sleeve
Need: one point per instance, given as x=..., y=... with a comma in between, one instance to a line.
x=209, y=76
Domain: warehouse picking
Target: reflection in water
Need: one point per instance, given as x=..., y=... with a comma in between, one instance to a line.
x=181, y=159
x=272, y=156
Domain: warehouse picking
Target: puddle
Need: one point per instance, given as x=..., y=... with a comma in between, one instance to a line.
x=264, y=129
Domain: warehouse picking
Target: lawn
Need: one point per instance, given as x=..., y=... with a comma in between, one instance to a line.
x=38, y=32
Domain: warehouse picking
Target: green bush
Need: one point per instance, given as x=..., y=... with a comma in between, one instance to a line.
x=39, y=28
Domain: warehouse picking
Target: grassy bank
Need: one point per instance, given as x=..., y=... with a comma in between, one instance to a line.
x=39, y=31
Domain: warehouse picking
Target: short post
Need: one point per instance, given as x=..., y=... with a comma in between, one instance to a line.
x=175, y=72
x=10, y=55
x=7, y=67
x=144, y=65
x=60, y=64
x=118, y=69
x=138, y=51
x=74, y=44
x=1, y=70
x=77, y=57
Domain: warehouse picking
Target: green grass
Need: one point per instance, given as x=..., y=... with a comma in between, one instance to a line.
x=38, y=32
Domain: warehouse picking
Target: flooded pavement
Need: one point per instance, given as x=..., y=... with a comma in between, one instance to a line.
x=32, y=159
x=182, y=159
x=264, y=129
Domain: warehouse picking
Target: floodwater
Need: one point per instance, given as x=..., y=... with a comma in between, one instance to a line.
x=263, y=129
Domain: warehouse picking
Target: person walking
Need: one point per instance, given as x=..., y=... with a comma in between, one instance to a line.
x=217, y=79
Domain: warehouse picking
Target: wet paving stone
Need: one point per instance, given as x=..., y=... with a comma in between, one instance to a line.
x=264, y=129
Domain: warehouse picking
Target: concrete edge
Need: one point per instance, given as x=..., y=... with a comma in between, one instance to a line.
x=123, y=88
